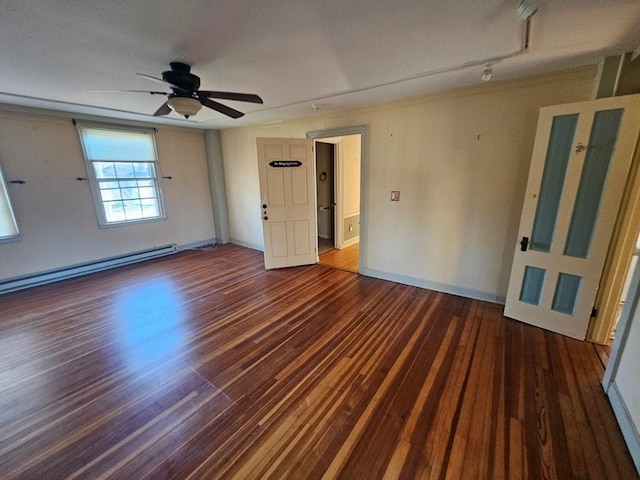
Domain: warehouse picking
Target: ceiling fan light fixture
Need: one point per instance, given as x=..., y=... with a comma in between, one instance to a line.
x=185, y=106
x=526, y=9
x=487, y=73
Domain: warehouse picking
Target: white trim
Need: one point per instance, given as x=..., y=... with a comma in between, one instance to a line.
x=7, y=213
x=348, y=243
x=437, y=286
x=252, y=246
x=624, y=325
x=338, y=192
x=51, y=276
x=343, y=132
x=628, y=428
x=94, y=183
x=194, y=245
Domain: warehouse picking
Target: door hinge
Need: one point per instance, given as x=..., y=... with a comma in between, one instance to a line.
x=594, y=312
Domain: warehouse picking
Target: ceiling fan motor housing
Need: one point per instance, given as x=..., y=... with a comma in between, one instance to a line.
x=180, y=75
x=187, y=99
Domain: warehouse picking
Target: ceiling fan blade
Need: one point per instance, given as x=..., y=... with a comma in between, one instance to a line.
x=163, y=110
x=230, y=112
x=240, y=97
x=160, y=80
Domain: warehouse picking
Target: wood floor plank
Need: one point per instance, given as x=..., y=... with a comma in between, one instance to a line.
x=345, y=259
x=203, y=365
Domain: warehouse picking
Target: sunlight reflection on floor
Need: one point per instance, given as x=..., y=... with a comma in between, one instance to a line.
x=151, y=323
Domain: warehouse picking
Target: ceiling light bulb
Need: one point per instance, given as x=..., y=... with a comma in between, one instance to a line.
x=185, y=106
x=486, y=74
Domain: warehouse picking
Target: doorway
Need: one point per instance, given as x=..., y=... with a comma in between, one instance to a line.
x=622, y=258
x=625, y=289
x=326, y=196
x=339, y=177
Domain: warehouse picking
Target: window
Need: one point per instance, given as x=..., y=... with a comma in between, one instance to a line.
x=8, y=225
x=123, y=171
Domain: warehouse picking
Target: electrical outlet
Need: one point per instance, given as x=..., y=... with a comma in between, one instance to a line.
x=395, y=195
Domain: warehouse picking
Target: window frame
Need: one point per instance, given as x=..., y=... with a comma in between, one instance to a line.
x=94, y=181
x=4, y=191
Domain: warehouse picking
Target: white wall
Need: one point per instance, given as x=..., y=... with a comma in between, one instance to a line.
x=55, y=212
x=460, y=161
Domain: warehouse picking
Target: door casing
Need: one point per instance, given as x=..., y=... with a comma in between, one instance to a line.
x=621, y=250
x=343, y=132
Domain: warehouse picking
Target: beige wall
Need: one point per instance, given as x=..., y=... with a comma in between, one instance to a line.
x=460, y=161
x=55, y=212
x=351, y=175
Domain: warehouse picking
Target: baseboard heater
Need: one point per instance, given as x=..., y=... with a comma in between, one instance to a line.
x=83, y=269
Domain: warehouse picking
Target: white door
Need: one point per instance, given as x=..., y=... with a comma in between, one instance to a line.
x=579, y=168
x=287, y=195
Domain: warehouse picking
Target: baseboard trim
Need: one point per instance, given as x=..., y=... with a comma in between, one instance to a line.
x=437, y=286
x=50, y=276
x=252, y=246
x=192, y=246
x=351, y=241
x=628, y=428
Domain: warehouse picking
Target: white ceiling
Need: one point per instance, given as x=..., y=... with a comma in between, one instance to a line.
x=336, y=54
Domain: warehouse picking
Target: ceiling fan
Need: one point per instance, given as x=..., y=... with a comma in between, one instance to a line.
x=186, y=99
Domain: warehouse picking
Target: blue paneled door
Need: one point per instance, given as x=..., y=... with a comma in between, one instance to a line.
x=579, y=169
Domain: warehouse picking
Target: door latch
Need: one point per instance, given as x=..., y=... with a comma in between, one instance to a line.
x=580, y=148
x=524, y=243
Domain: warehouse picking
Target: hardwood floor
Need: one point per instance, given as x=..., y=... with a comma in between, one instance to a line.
x=346, y=258
x=203, y=365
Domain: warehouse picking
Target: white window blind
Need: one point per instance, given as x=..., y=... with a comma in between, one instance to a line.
x=123, y=171
x=8, y=225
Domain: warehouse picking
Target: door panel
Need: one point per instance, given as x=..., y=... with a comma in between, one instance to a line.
x=300, y=187
x=275, y=187
x=554, y=173
x=301, y=237
x=579, y=167
x=598, y=158
x=287, y=194
x=278, y=239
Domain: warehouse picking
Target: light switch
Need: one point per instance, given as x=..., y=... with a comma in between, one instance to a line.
x=395, y=195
